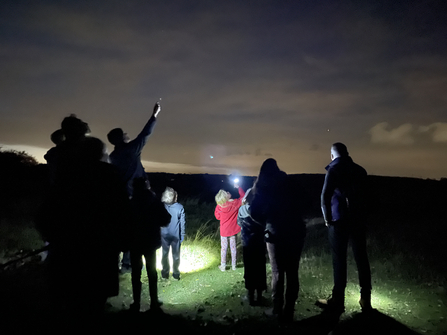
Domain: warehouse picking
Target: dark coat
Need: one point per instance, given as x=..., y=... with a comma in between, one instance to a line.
x=127, y=156
x=84, y=220
x=273, y=205
x=149, y=216
x=344, y=190
x=252, y=232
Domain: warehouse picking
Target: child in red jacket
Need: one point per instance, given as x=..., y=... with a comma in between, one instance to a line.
x=226, y=212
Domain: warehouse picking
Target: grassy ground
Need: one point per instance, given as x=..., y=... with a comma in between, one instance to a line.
x=409, y=288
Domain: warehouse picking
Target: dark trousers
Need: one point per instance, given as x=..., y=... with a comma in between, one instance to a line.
x=137, y=266
x=125, y=262
x=284, y=260
x=170, y=242
x=254, y=267
x=339, y=236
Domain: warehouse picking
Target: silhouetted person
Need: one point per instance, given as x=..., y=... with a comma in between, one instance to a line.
x=82, y=219
x=173, y=235
x=273, y=205
x=149, y=216
x=226, y=212
x=343, y=205
x=126, y=156
x=253, y=251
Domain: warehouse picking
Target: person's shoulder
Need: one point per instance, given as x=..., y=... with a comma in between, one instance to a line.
x=178, y=205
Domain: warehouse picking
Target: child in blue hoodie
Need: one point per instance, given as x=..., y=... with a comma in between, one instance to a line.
x=173, y=235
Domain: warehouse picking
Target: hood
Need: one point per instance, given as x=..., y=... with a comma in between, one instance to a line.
x=244, y=211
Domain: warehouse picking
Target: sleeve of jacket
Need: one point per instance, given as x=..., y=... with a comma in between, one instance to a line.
x=140, y=141
x=217, y=213
x=326, y=195
x=182, y=219
x=241, y=193
x=239, y=219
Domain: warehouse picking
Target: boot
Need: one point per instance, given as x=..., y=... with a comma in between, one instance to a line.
x=365, y=301
x=335, y=304
x=287, y=314
x=259, y=297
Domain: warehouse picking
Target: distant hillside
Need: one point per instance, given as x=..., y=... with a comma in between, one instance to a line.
x=395, y=196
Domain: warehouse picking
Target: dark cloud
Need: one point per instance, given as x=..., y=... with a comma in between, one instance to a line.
x=233, y=77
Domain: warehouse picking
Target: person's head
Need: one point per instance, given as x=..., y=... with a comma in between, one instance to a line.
x=74, y=128
x=338, y=150
x=169, y=196
x=58, y=136
x=269, y=171
x=141, y=184
x=117, y=136
x=93, y=149
x=222, y=197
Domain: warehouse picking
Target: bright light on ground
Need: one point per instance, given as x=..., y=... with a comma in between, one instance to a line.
x=192, y=258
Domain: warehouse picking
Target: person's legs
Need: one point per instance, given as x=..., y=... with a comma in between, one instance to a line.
x=150, y=257
x=126, y=262
x=338, y=240
x=165, y=245
x=137, y=262
x=292, y=262
x=175, y=245
x=233, y=252
x=277, y=279
x=249, y=274
x=223, y=252
x=292, y=265
x=358, y=240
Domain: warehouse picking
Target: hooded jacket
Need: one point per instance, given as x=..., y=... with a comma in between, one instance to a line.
x=252, y=232
x=273, y=205
x=227, y=215
x=176, y=227
x=343, y=193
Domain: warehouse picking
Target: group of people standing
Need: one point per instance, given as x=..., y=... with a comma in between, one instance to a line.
x=99, y=205
x=270, y=219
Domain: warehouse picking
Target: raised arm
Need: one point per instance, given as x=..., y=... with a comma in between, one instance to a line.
x=140, y=141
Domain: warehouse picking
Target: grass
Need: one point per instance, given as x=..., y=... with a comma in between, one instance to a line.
x=409, y=290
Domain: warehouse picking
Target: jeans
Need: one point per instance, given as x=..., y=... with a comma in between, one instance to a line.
x=168, y=242
x=285, y=260
x=340, y=233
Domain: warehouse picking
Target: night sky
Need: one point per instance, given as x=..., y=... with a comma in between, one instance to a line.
x=240, y=81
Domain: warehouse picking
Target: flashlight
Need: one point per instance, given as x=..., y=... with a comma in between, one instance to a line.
x=236, y=180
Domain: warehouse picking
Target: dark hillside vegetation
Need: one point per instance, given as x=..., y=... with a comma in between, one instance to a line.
x=407, y=228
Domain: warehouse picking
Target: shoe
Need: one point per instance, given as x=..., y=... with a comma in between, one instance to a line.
x=250, y=298
x=134, y=307
x=331, y=305
x=176, y=276
x=233, y=268
x=273, y=312
x=156, y=304
x=164, y=276
x=365, y=303
x=286, y=316
x=222, y=268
